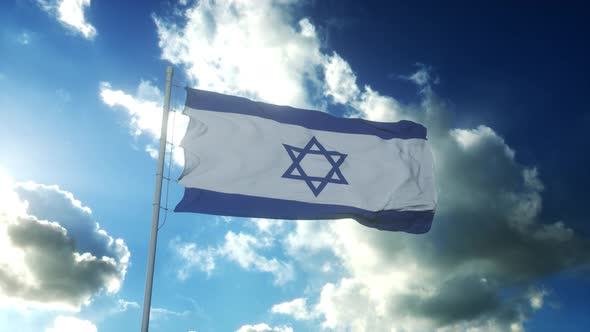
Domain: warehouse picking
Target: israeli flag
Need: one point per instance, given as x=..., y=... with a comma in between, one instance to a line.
x=251, y=159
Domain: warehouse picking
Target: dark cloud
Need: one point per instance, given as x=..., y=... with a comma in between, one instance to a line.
x=51, y=203
x=66, y=257
x=480, y=264
x=459, y=299
x=488, y=237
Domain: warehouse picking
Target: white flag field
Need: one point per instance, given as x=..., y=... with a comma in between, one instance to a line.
x=251, y=159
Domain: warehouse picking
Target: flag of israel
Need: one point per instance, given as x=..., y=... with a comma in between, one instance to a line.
x=252, y=159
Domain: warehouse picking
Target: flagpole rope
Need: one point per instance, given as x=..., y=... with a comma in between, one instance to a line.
x=168, y=178
x=151, y=259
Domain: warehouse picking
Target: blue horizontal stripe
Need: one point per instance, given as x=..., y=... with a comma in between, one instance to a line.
x=212, y=101
x=212, y=202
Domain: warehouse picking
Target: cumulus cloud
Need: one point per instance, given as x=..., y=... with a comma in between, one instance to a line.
x=70, y=13
x=340, y=81
x=296, y=308
x=487, y=237
x=53, y=254
x=242, y=249
x=144, y=111
x=269, y=226
x=71, y=324
x=235, y=47
x=262, y=327
x=192, y=257
x=244, y=48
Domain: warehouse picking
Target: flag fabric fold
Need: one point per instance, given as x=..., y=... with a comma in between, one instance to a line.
x=251, y=159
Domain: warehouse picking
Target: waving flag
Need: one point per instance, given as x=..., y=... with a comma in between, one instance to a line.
x=251, y=159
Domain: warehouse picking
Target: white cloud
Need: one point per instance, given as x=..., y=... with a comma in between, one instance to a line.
x=487, y=234
x=226, y=219
x=340, y=81
x=152, y=151
x=422, y=77
x=349, y=306
x=376, y=107
x=400, y=281
x=296, y=308
x=309, y=236
x=70, y=13
x=262, y=327
x=536, y=298
x=269, y=226
x=53, y=255
x=123, y=305
x=145, y=115
x=244, y=48
x=71, y=324
x=192, y=257
x=473, y=138
x=163, y=314
x=242, y=249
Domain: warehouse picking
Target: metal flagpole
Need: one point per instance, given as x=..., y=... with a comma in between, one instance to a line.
x=149, y=278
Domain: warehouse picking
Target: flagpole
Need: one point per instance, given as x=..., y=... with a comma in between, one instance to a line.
x=149, y=278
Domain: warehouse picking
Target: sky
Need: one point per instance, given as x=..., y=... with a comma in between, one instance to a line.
x=500, y=85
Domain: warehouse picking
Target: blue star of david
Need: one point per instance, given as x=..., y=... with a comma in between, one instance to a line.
x=315, y=183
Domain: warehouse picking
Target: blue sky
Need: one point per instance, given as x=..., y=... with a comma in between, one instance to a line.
x=501, y=87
